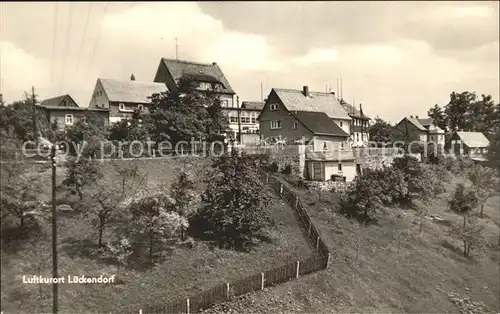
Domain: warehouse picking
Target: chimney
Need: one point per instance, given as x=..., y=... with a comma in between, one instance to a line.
x=214, y=63
x=416, y=117
x=305, y=90
x=333, y=93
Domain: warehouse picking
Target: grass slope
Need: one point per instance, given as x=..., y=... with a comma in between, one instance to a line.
x=368, y=273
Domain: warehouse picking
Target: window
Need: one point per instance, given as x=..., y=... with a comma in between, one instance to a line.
x=340, y=123
x=244, y=117
x=324, y=146
x=140, y=107
x=357, y=137
x=340, y=167
x=253, y=117
x=275, y=124
x=341, y=145
x=295, y=125
x=273, y=107
x=224, y=103
x=69, y=119
x=121, y=106
x=233, y=118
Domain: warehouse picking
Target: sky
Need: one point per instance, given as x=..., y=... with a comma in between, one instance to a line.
x=395, y=58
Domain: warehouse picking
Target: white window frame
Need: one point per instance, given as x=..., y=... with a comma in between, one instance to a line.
x=295, y=125
x=339, y=167
x=325, y=146
x=122, y=108
x=68, y=119
x=341, y=123
x=273, y=107
x=253, y=117
x=140, y=107
x=275, y=124
x=224, y=103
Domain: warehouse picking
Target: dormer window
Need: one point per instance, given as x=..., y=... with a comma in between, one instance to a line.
x=121, y=106
x=140, y=107
x=273, y=107
x=69, y=119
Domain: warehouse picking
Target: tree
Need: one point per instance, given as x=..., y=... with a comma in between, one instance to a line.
x=81, y=173
x=463, y=201
x=87, y=133
x=416, y=178
x=109, y=201
x=184, y=197
x=233, y=204
x=151, y=218
x=465, y=111
x=364, y=196
x=471, y=234
x=186, y=114
x=494, y=152
x=485, y=183
x=16, y=120
x=383, y=132
x=18, y=197
x=438, y=116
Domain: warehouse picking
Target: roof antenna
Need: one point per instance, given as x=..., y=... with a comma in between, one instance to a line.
x=338, y=95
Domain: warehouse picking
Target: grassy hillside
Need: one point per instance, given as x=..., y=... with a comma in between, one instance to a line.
x=183, y=271
x=368, y=273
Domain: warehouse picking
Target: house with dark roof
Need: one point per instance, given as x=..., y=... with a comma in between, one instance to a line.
x=63, y=111
x=122, y=98
x=423, y=130
x=208, y=77
x=316, y=119
x=472, y=144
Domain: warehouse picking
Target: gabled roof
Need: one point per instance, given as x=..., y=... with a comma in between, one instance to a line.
x=415, y=122
x=56, y=101
x=353, y=112
x=62, y=108
x=319, y=123
x=199, y=71
x=131, y=91
x=473, y=139
x=255, y=105
x=294, y=100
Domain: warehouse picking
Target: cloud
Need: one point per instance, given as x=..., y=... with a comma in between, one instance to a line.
x=15, y=76
x=396, y=58
x=318, y=55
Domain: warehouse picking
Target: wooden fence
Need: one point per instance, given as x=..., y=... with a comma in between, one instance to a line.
x=225, y=291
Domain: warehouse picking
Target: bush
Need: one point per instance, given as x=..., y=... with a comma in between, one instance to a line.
x=272, y=167
x=287, y=170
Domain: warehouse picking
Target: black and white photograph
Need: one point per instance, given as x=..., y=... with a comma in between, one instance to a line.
x=227, y=157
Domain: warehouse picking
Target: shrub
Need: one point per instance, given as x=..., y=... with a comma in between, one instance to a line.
x=287, y=170
x=233, y=211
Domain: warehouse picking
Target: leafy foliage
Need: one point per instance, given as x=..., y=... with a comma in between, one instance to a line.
x=485, y=183
x=415, y=177
x=184, y=197
x=494, y=151
x=465, y=111
x=470, y=233
x=233, y=210
x=86, y=135
x=151, y=220
x=463, y=201
x=383, y=132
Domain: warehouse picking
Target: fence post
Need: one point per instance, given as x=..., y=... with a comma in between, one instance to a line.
x=187, y=306
x=227, y=291
x=281, y=189
x=296, y=201
x=327, y=260
x=297, y=271
x=317, y=243
x=261, y=281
